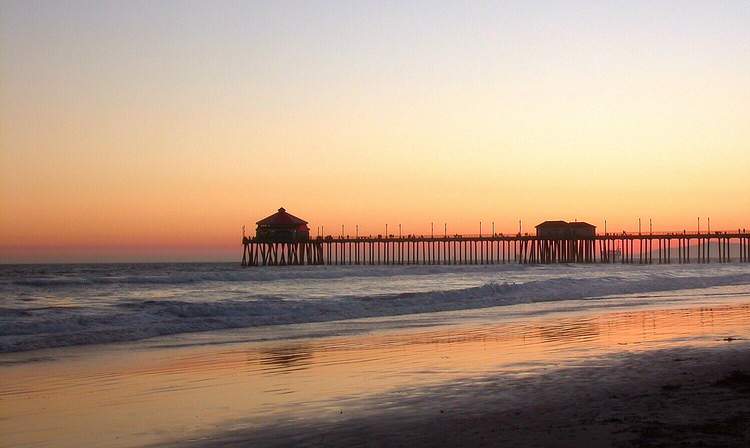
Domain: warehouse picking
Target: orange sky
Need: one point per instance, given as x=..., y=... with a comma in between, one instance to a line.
x=141, y=131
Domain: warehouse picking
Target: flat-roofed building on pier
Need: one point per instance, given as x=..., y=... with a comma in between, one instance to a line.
x=562, y=229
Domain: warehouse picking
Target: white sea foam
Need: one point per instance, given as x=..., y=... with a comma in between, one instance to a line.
x=277, y=297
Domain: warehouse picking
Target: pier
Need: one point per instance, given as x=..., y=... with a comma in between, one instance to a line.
x=625, y=248
x=283, y=239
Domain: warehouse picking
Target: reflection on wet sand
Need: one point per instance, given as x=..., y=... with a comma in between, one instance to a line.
x=127, y=394
x=281, y=360
x=564, y=332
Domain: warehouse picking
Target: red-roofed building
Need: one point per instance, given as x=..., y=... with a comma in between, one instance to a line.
x=282, y=227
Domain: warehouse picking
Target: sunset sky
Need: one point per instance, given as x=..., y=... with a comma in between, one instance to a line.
x=154, y=130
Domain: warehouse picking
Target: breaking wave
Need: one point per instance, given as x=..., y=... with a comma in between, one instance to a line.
x=133, y=319
x=231, y=273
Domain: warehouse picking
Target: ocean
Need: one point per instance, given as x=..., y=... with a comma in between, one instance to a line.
x=57, y=305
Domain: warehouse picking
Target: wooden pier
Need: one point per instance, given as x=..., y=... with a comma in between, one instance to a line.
x=626, y=248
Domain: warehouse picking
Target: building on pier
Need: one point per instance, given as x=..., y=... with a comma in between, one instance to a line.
x=282, y=227
x=562, y=229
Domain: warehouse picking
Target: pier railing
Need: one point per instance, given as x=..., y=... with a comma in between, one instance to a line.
x=684, y=233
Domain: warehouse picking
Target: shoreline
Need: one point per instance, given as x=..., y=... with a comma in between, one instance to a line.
x=118, y=305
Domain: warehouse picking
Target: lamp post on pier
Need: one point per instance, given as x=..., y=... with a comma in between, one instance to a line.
x=480, y=229
x=432, y=230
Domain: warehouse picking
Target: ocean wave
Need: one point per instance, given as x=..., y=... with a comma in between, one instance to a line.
x=138, y=319
x=252, y=274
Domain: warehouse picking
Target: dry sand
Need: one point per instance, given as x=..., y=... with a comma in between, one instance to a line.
x=671, y=397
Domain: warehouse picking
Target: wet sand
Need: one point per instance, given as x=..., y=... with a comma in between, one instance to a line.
x=666, y=398
x=528, y=375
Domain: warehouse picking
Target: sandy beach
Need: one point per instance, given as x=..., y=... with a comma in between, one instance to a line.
x=546, y=374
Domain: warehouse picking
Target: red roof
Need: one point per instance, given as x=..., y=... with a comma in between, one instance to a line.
x=281, y=218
